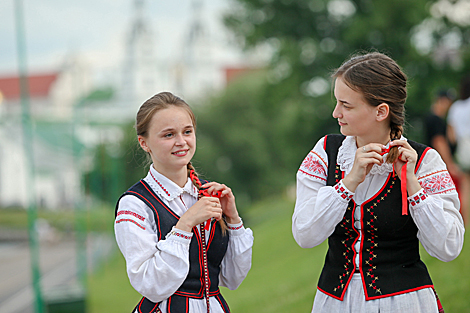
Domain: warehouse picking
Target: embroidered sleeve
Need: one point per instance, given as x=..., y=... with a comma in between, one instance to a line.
x=418, y=197
x=314, y=164
x=129, y=216
x=343, y=192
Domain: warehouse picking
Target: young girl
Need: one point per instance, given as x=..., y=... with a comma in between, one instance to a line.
x=181, y=237
x=352, y=189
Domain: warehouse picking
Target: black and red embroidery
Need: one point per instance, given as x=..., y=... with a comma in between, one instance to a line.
x=421, y=196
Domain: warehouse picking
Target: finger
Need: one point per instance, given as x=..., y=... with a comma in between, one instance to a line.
x=400, y=143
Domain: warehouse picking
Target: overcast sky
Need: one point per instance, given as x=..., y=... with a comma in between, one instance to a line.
x=95, y=29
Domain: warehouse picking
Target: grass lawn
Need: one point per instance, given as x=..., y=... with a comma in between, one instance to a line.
x=283, y=277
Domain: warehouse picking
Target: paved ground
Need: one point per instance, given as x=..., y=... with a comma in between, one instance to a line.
x=57, y=263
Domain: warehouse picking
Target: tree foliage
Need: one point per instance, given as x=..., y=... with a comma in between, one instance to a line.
x=254, y=136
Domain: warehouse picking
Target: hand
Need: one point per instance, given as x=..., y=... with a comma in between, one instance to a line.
x=227, y=201
x=364, y=159
x=408, y=155
x=204, y=209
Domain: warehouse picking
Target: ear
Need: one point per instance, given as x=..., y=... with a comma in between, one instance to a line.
x=143, y=143
x=383, y=111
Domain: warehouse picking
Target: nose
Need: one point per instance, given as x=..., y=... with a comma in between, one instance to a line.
x=180, y=141
x=336, y=112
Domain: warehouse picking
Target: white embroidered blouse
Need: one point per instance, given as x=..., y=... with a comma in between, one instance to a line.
x=156, y=269
x=319, y=208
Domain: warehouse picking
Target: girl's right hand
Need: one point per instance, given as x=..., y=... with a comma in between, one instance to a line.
x=204, y=209
x=364, y=159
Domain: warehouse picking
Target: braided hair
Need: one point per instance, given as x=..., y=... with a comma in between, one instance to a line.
x=196, y=182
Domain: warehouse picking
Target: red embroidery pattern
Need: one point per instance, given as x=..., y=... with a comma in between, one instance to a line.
x=129, y=220
x=133, y=214
x=422, y=195
x=235, y=228
x=178, y=234
x=159, y=184
x=439, y=182
x=313, y=167
x=343, y=192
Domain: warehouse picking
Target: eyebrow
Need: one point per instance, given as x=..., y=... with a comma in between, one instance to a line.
x=173, y=129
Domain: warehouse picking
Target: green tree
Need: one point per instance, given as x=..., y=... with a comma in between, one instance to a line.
x=254, y=136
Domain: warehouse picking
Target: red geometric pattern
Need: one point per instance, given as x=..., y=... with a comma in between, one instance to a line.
x=235, y=228
x=313, y=165
x=436, y=183
x=178, y=234
x=422, y=195
x=129, y=220
x=343, y=192
x=131, y=213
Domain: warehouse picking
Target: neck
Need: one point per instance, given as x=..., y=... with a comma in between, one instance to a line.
x=179, y=177
x=382, y=137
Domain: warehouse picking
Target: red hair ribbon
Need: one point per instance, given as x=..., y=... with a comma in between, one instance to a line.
x=203, y=193
x=404, y=200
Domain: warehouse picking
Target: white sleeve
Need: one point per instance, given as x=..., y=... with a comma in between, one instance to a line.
x=318, y=208
x=435, y=210
x=156, y=269
x=237, y=260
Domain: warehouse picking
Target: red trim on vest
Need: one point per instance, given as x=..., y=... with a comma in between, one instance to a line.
x=418, y=164
x=211, y=235
x=163, y=204
x=399, y=293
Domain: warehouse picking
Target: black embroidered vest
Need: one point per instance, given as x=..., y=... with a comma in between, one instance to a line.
x=193, y=286
x=389, y=260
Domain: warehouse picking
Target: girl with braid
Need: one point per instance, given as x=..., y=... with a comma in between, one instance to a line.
x=181, y=237
x=375, y=195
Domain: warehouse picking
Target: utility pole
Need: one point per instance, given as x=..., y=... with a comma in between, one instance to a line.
x=28, y=148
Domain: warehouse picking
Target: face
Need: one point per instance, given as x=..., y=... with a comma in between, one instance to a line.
x=171, y=140
x=355, y=116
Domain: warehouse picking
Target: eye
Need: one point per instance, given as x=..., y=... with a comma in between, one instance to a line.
x=188, y=131
x=168, y=135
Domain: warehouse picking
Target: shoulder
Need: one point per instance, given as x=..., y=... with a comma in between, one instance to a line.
x=315, y=164
x=432, y=174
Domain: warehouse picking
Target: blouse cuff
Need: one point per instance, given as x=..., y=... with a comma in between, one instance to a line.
x=179, y=235
x=236, y=229
x=417, y=198
x=343, y=192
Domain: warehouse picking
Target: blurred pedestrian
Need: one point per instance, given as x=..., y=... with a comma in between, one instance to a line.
x=459, y=124
x=375, y=195
x=440, y=136
x=181, y=236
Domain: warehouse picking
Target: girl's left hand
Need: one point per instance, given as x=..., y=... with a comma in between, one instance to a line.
x=227, y=201
x=408, y=155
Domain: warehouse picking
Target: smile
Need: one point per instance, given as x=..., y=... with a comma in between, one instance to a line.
x=180, y=152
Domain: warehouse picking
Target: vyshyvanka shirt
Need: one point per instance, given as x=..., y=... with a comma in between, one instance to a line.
x=156, y=269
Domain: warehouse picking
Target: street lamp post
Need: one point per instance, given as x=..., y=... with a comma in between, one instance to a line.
x=28, y=148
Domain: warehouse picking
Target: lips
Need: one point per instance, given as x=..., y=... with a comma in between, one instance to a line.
x=341, y=124
x=180, y=152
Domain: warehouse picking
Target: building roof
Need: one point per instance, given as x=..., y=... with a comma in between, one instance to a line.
x=232, y=73
x=39, y=85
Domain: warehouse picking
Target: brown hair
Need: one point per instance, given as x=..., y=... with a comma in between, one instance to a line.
x=380, y=80
x=147, y=110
